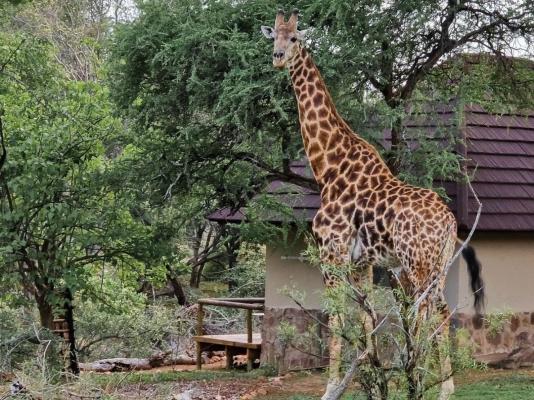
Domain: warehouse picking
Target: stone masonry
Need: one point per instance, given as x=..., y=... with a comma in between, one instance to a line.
x=306, y=349
x=308, y=345
x=515, y=333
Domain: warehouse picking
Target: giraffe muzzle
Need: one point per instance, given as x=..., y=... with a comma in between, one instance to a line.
x=278, y=58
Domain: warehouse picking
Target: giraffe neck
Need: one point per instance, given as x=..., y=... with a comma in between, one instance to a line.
x=328, y=140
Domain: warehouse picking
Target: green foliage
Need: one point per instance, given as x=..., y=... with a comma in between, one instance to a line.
x=114, y=320
x=287, y=332
x=463, y=354
x=267, y=207
x=62, y=209
x=248, y=275
x=13, y=322
x=195, y=79
x=190, y=79
x=498, y=83
x=140, y=331
x=497, y=320
x=25, y=345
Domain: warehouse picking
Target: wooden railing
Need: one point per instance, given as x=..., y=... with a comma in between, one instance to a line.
x=229, y=342
x=249, y=304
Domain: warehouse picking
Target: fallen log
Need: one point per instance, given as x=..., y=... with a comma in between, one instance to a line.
x=139, y=364
x=521, y=357
x=117, y=365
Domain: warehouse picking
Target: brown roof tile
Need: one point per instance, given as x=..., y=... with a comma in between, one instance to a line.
x=500, y=149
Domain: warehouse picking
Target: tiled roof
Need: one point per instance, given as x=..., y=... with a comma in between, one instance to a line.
x=500, y=150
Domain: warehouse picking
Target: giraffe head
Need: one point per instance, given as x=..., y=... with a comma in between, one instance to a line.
x=286, y=38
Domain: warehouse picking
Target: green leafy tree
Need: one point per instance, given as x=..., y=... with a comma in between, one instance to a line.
x=60, y=209
x=212, y=123
x=391, y=47
x=195, y=81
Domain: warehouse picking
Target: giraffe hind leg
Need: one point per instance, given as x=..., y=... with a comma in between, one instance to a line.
x=443, y=348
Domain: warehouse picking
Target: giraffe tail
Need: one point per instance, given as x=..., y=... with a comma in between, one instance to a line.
x=475, y=277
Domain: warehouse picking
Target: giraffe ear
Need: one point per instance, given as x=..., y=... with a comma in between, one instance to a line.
x=301, y=35
x=268, y=32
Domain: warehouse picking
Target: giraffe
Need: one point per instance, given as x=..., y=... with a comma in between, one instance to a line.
x=367, y=216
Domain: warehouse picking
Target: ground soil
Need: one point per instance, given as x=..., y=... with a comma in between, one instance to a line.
x=196, y=390
x=283, y=388
x=473, y=385
x=228, y=389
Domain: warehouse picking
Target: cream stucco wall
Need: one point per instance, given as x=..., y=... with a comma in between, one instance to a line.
x=508, y=271
x=291, y=273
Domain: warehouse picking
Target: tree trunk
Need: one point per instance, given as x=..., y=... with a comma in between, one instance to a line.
x=194, y=280
x=46, y=312
x=177, y=288
x=397, y=146
x=69, y=318
x=137, y=364
x=232, y=247
x=196, y=243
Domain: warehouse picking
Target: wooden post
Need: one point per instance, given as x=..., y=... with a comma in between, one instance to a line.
x=249, y=326
x=249, y=339
x=250, y=356
x=200, y=316
x=229, y=357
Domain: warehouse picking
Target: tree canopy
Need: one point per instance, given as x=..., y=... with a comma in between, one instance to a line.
x=118, y=136
x=61, y=207
x=196, y=81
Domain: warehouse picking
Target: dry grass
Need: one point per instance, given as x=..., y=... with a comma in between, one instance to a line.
x=238, y=385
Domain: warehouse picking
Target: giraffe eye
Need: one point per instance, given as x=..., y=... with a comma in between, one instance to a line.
x=293, y=39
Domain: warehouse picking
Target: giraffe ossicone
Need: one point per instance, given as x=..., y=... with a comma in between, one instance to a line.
x=367, y=216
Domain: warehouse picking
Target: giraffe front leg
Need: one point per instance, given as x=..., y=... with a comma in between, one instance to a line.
x=366, y=282
x=334, y=350
x=335, y=343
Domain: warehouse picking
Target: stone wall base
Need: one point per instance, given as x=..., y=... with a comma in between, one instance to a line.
x=517, y=332
x=307, y=347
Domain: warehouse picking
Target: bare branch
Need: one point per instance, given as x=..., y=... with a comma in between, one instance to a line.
x=286, y=176
x=336, y=392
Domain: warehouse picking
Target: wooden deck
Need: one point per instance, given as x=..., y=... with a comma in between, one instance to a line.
x=232, y=344
x=234, y=340
x=248, y=343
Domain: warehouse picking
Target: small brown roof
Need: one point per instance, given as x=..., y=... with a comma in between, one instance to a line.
x=500, y=150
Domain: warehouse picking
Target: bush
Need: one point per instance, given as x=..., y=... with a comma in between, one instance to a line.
x=25, y=345
x=131, y=329
x=248, y=276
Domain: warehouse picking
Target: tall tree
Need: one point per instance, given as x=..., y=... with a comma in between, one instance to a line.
x=194, y=79
x=60, y=209
x=78, y=30
x=392, y=46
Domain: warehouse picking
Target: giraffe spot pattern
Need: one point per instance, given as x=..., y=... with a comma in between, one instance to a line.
x=361, y=199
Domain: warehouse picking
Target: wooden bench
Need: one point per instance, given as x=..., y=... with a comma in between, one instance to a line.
x=248, y=343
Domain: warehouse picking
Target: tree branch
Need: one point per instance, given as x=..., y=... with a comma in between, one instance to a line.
x=3, y=156
x=288, y=177
x=445, y=44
